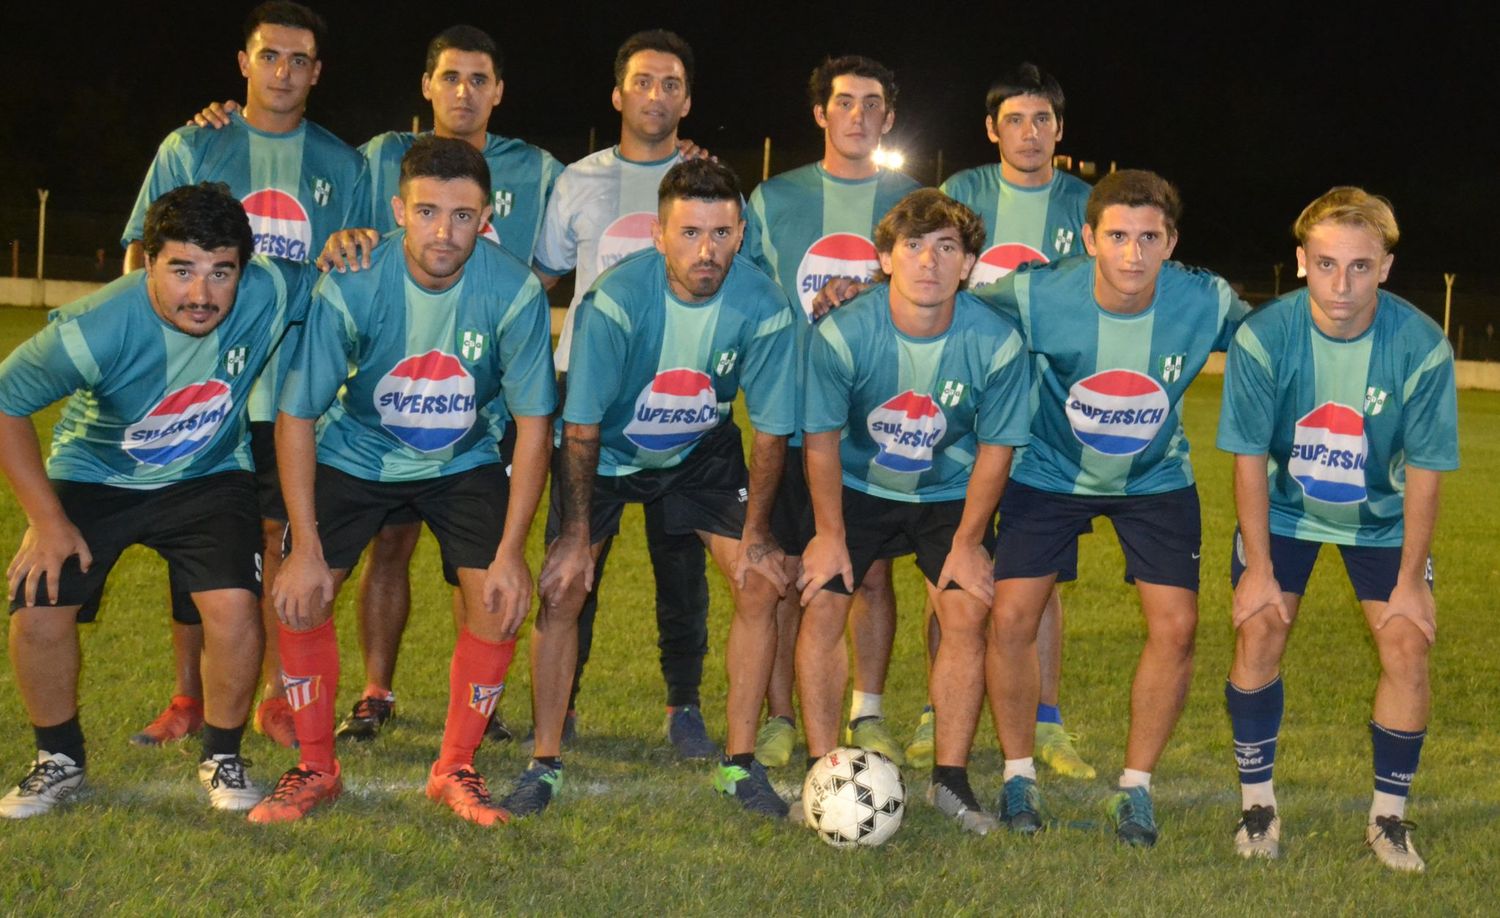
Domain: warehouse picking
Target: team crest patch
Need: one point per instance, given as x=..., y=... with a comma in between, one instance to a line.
x=724, y=363
x=234, y=360
x=1171, y=367
x=322, y=191
x=301, y=691
x=505, y=201
x=483, y=698
x=472, y=345
x=1374, y=400
x=1063, y=241
x=951, y=393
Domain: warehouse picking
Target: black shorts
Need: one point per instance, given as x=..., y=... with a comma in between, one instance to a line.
x=1160, y=534
x=207, y=529
x=1372, y=569
x=706, y=492
x=792, y=516
x=406, y=514
x=876, y=528
x=466, y=511
x=267, y=481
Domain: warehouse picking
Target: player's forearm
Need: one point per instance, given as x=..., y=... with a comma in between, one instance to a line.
x=21, y=461
x=982, y=496
x=767, y=460
x=1252, y=507
x=580, y=463
x=1420, y=509
x=297, y=467
x=528, y=472
x=825, y=481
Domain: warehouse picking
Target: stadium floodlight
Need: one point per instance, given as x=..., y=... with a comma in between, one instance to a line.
x=889, y=159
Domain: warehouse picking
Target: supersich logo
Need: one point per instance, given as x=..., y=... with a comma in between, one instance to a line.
x=626, y=236
x=180, y=424
x=1117, y=412
x=999, y=260
x=906, y=428
x=835, y=255
x=427, y=402
x=673, y=410
x=1328, y=454
x=279, y=224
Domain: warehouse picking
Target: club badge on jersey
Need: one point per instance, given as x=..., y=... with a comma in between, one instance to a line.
x=1117, y=412
x=427, y=402
x=1329, y=450
x=906, y=428
x=234, y=360
x=179, y=425
x=673, y=410
x=835, y=255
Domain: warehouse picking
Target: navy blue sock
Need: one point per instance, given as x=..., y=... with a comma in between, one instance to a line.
x=551, y=761
x=66, y=738
x=1396, y=755
x=1048, y=714
x=221, y=740
x=1255, y=718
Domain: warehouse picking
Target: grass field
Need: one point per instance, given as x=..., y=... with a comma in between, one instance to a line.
x=638, y=833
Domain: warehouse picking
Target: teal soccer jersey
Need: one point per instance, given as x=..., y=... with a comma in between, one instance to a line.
x=656, y=373
x=914, y=410
x=1340, y=420
x=1107, y=406
x=149, y=405
x=521, y=179
x=1022, y=225
x=402, y=371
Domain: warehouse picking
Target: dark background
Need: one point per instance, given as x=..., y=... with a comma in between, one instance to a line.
x=1251, y=110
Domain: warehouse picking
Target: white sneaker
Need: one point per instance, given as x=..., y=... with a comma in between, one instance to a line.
x=1390, y=838
x=52, y=778
x=229, y=788
x=1259, y=833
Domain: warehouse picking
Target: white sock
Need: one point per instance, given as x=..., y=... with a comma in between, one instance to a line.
x=866, y=704
x=1132, y=778
x=1387, y=805
x=1020, y=768
x=1262, y=794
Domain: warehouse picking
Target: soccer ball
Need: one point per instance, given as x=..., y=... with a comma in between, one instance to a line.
x=854, y=797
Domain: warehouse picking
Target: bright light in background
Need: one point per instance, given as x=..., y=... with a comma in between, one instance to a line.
x=889, y=159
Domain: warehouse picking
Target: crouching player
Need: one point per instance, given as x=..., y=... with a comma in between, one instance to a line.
x=400, y=357
x=916, y=395
x=1339, y=406
x=152, y=449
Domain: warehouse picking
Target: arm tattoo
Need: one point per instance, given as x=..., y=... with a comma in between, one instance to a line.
x=580, y=463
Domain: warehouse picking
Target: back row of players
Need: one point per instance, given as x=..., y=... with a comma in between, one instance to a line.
x=902, y=407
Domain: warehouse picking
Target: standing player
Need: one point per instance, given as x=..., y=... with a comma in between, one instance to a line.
x=916, y=394
x=1339, y=404
x=603, y=209
x=398, y=360
x=1117, y=338
x=151, y=449
x=664, y=342
x=299, y=184
x=1032, y=214
x=804, y=228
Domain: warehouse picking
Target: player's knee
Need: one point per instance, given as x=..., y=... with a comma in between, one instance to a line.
x=1403, y=652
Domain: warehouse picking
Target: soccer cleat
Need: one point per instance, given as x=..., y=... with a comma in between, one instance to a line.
x=496, y=731
x=182, y=718
x=569, y=734
x=464, y=792
x=296, y=793
x=752, y=788
x=1390, y=838
x=920, y=750
x=538, y=786
x=871, y=733
x=1258, y=834
x=1054, y=745
x=229, y=788
x=1133, y=816
x=273, y=720
x=370, y=714
x=774, y=742
x=1021, y=805
x=52, y=779
x=971, y=819
x=688, y=733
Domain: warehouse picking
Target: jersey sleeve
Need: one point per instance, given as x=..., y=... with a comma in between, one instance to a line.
x=44, y=369
x=383, y=160
x=1003, y=417
x=1232, y=313
x=172, y=167
x=529, y=384
x=1001, y=296
x=596, y=358
x=320, y=363
x=361, y=201
x=769, y=377
x=830, y=379
x=1430, y=412
x=1247, y=411
x=754, y=247
x=557, y=246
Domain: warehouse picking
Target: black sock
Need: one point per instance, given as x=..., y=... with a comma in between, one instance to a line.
x=66, y=738
x=551, y=761
x=743, y=759
x=790, y=721
x=221, y=740
x=956, y=779
x=859, y=720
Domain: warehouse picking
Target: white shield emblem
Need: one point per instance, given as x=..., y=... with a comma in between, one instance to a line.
x=234, y=361
x=951, y=394
x=472, y=346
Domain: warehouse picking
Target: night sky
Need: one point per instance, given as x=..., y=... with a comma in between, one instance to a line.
x=1252, y=113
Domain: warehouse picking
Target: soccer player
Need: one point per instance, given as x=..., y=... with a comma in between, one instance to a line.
x=664, y=342
x=151, y=449
x=1116, y=339
x=803, y=228
x=602, y=210
x=916, y=394
x=1339, y=406
x=398, y=361
x=1032, y=214
x=299, y=184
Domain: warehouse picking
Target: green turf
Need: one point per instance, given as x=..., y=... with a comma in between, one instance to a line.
x=636, y=832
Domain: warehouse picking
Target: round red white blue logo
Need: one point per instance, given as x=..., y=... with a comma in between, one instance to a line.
x=673, y=410
x=624, y=237
x=999, y=260
x=279, y=224
x=1329, y=450
x=906, y=429
x=835, y=255
x=1117, y=412
x=427, y=402
x=179, y=425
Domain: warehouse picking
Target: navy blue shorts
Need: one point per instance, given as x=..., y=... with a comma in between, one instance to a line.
x=876, y=528
x=1160, y=534
x=1372, y=569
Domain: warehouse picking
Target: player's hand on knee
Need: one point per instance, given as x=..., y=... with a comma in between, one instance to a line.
x=216, y=115
x=303, y=589
x=970, y=568
x=822, y=561
x=44, y=549
x=507, y=591
x=348, y=250
x=835, y=293
x=1412, y=600
x=569, y=565
x=759, y=554
x=1256, y=592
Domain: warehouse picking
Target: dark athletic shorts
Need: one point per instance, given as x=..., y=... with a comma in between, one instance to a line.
x=792, y=515
x=876, y=528
x=1372, y=569
x=267, y=481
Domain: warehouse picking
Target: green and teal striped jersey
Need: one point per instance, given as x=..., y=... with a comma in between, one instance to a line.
x=1022, y=225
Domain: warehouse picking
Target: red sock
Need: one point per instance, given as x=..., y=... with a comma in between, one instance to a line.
x=310, y=672
x=475, y=680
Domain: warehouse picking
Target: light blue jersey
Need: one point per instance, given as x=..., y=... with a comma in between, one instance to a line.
x=914, y=410
x=1340, y=420
x=1022, y=225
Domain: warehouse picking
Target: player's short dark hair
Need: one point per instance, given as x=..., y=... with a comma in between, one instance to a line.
x=445, y=159
x=1135, y=188
x=463, y=38
x=1026, y=80
x=928, y=210
x=699, y=180
x=205, y=214
x=655, y=40
x=820, y=84
x=289, y=14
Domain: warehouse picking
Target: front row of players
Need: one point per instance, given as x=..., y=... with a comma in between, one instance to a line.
x=1339, y=403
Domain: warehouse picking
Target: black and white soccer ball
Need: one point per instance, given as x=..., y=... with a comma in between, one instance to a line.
x=854, y=797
